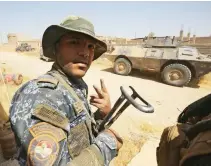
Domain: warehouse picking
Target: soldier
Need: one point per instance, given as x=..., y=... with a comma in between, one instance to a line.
x=51, y=116
x=187, y=143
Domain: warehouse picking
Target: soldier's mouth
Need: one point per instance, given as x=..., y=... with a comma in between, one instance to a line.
x=82, y=65
x=81, y=62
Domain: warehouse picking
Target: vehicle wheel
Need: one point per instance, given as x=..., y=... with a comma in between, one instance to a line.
x=176, y=75
x=18, y=79
x=122, y=66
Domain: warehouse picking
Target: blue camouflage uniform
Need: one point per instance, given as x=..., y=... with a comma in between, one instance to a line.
x=51, y=128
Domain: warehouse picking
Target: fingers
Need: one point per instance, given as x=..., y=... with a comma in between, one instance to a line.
x=94, y=96
x=96, y=105
x=103, y=87
x=99, y=92
x=98, y=101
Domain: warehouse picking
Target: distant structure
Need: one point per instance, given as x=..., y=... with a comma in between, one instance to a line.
x=17, y=39
x=188, y=37
x=203, y=40
x=194, y=39
x=181, y=34
x=117, y=40
x=12, y=38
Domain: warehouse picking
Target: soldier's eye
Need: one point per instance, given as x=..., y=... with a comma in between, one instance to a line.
x=73, y=41
x=91, y=46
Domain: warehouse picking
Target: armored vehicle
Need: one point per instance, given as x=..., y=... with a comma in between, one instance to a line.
x=24, y=47
x=177, y=65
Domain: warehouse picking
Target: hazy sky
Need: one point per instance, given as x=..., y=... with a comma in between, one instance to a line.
x=121, y=19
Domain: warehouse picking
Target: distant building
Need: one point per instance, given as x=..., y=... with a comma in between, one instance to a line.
x=16, y=40
x=12, y=39
x=185, y=40
x=117, y=40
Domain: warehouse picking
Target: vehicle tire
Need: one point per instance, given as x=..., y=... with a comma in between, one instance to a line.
x=122, y=66
x=176, y=75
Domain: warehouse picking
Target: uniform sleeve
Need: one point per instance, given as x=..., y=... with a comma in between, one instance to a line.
x=107, y=145
x=99, y=153
x=104, y=141
x=48, y=145
x=40, y=141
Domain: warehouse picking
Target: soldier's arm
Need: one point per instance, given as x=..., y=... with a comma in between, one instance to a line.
x=99, y=153
x=35, y=116
x=106, y=142
x=39, y=127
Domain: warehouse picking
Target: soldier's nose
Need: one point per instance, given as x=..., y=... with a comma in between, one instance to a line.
x=84, y=54
x=84, y=49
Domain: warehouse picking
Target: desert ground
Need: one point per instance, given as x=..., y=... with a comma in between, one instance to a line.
x=141, y=131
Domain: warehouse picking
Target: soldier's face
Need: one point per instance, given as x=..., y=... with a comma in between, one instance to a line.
x=75, y=53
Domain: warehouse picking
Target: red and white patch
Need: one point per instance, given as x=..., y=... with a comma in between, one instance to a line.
x=43, y=149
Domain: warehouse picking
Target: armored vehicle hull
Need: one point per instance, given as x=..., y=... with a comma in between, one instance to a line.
x=177, y=66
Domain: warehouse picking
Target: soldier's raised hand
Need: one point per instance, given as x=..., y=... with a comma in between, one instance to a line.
x=101, y=100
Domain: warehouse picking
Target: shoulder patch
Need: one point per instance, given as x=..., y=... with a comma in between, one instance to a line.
x=43, y=150
x=78, y=107
x=52, y=116
x=48, y=80
x=46, y=128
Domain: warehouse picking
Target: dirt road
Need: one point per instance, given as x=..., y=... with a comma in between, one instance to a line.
x=167, y=100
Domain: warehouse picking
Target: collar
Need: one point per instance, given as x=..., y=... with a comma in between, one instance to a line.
x=75, y=82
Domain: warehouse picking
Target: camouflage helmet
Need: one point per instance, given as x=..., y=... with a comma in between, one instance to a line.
x=71, y=24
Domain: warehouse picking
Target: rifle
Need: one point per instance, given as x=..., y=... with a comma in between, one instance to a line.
x=130, y=99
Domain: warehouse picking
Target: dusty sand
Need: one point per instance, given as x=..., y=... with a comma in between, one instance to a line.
x=205, y=81
x=133, y=125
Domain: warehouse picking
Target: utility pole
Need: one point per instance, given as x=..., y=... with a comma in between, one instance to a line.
x=181, y=32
